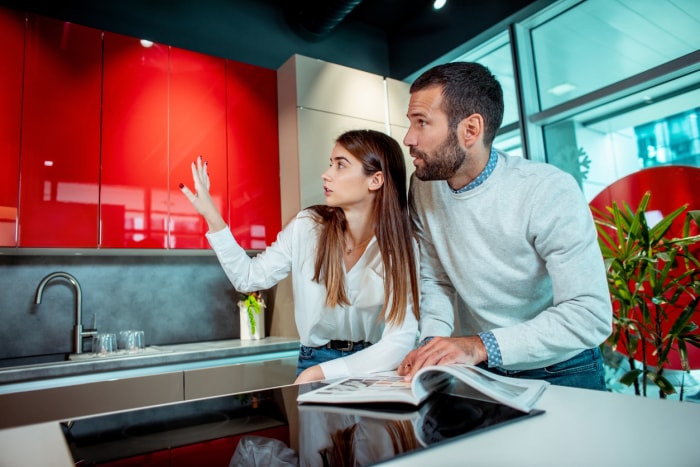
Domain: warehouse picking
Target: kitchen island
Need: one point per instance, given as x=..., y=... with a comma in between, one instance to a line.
x=578, y=427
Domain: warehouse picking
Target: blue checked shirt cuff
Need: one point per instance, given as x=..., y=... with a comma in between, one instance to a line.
x=493, y=351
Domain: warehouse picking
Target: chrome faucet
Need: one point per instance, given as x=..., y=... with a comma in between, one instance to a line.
x=78, y=332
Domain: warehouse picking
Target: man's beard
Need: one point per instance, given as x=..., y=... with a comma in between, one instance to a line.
x=444, y=162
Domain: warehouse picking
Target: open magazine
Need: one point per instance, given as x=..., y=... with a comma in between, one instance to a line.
x=460, y=380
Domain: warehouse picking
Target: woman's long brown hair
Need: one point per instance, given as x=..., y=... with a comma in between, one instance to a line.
x=392, y=227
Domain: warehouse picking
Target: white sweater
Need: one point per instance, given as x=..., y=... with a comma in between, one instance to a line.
x=518, y=256
x=294, y=252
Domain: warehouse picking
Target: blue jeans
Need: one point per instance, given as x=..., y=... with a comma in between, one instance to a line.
x=310, y=356
x=584, y=370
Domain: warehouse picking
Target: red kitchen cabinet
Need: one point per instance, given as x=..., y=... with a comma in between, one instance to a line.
x=152, y=459
x=97, y=131
x=216, y=452
x=253, y=153
x=197, y=127
x=60, y=145
x=134, y=185
x=11, y=58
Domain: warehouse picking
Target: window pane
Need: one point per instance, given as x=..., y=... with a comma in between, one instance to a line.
x=496, y=56
x=509, y=143
x=600, y=42
x=658, y=126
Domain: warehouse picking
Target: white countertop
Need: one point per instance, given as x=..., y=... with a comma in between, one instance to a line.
x=580, y=428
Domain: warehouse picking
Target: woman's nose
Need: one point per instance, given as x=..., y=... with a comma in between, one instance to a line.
x=324, y=175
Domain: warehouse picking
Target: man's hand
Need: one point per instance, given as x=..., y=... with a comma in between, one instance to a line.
x=201, y=199
x=442, y=351
x=314, y=373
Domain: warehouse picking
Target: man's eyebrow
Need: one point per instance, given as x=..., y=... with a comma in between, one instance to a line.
x=416, y=113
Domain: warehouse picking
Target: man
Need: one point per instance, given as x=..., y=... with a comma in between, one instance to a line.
x=508, y=246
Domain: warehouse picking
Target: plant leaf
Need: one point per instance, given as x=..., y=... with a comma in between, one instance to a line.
x=682, y=321
x=630, y=377
x=662, y=383
x=661, y=228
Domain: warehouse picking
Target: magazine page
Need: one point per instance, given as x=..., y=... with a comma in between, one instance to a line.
x=380, y=387
x=476, y=383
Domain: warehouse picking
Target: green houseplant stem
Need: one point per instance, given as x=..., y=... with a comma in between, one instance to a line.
x=654, y=283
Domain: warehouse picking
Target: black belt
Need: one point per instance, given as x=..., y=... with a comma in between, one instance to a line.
x=345, y=346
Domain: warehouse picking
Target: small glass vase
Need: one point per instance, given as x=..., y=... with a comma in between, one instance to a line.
x=248, y=331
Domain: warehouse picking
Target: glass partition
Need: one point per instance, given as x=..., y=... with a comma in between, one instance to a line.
x=599, y=42
x=654, y=127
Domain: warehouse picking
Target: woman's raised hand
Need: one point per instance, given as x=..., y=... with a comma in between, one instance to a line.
x=201, y=199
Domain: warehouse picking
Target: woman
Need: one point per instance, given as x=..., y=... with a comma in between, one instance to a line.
x=353, y=260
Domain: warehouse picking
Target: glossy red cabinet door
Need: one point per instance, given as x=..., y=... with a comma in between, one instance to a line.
x=134, y=184
x=60, y=146
x=253, y=152
x=97, y=131
x=197, y=127
x=11, y=58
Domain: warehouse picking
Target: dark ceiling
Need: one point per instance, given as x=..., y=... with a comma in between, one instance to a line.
x=394, y=38
x=415, y=33
x=390, y=16
x=412, y=25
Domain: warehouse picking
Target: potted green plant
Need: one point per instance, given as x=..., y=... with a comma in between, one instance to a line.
x=654, y=282
x=252, y=318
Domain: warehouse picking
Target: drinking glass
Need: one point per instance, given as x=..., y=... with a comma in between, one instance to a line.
x=135, y=341
x=104, y=343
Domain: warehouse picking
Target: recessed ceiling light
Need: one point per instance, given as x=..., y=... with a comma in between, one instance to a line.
x=561, y=89
x=439, y=4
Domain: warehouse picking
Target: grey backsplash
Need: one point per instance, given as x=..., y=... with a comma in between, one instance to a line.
x=173, y=299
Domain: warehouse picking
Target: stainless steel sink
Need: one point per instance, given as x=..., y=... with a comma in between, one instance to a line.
x=148, y=351
x=159, y=349
x=199, y=346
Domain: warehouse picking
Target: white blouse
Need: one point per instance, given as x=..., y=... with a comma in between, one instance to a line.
x=294, y=252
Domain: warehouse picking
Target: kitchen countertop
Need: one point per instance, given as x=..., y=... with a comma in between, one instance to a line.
x=578, y=428
x=192, y=355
